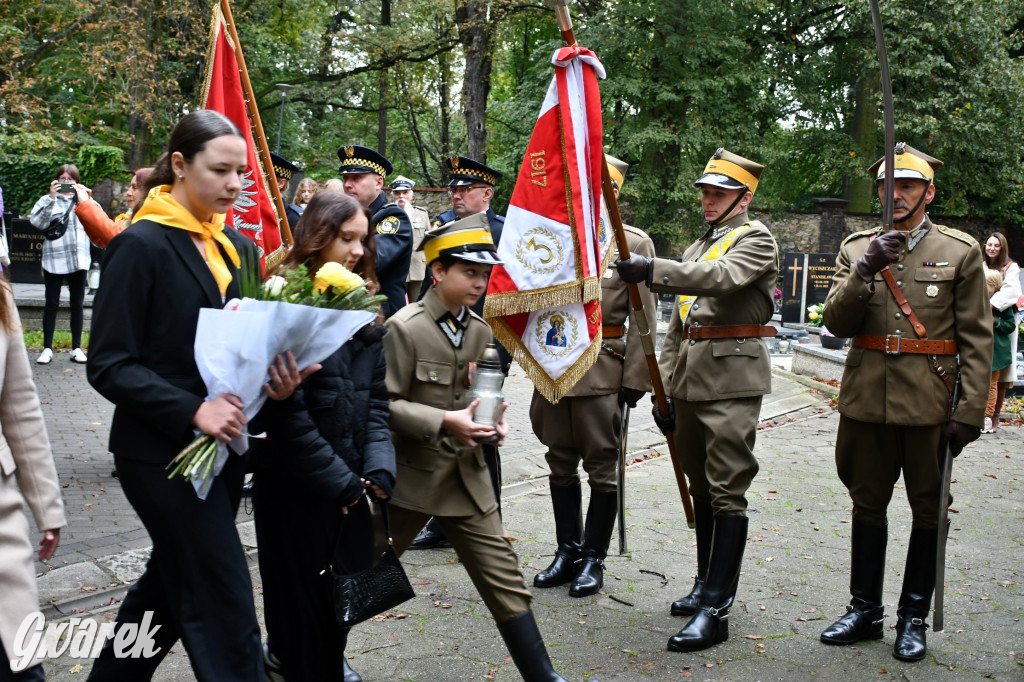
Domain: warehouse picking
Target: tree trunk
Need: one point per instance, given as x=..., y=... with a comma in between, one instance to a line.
x=382, y=88
x=476, y=37
x=861, y=190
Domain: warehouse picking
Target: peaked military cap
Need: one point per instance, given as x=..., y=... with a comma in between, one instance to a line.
x=617, y=169
x=400, y=183
x=283, y=167
x=730, y=171
x=909, y=163
x=358, y=159
x=468, y=239
x=464, y=171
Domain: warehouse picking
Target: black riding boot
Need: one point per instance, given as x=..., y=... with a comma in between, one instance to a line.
x=918, y=585
x=568, y=508
x=865, y=615
x=710, y=625
x=600, y=523
x=527, y=648
x=704, y=517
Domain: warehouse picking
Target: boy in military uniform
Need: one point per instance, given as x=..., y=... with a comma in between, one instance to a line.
x=898, y=387
x=471, y=187
x=584, y=426
x=716, y=370
x=363, y=171
x=430, y=348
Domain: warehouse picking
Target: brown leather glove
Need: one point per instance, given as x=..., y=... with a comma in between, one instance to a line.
x=883, y=249
x=959, y=434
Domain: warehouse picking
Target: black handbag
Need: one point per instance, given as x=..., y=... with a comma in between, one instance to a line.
x=365, y=594
x=58, y=225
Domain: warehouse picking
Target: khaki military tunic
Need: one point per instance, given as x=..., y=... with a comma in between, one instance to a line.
x=717, y=384
x=436, y=475
x=894, y=407
x=585, y=423
x=420, y=220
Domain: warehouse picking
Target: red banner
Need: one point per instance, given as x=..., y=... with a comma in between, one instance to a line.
x=253, y=213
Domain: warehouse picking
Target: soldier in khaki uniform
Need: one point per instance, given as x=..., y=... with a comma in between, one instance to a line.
x=897, y=389
x=716, y=370
x=441, y=471
x=402, y=194
x=585, y=424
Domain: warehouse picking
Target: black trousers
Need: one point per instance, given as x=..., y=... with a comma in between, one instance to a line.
x=196, y=583
x=76, y=287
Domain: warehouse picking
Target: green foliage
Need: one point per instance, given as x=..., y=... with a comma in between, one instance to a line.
x=98, y=162
x=61, y=339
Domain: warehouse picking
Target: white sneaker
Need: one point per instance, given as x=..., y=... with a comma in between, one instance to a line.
x=988, y=425
x=45, y=357
x=78, y=355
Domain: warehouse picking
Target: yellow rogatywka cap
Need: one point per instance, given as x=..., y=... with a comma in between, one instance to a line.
x=730, y=171
x=468, y=239
x=909, y=163
x=616, y=169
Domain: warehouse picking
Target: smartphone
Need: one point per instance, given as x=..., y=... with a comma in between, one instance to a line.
x=66, y=187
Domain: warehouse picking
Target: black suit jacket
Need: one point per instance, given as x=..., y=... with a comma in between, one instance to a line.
x=141, y=355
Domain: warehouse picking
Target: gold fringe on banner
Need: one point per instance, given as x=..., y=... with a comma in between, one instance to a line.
x=516, y=302
x=552, y=390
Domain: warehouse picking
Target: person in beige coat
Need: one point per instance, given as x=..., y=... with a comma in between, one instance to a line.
x=716, y=369
x=27, y=474
x=584, y=426
x=898, y=387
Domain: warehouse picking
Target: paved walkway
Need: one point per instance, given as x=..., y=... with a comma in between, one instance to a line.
x=794, y=581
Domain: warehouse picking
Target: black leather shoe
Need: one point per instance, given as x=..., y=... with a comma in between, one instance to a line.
x=350, y=675
x=272, y=666
x=563, y=568
x=431, y=537
x=247, y=489
x=855, y=626
x=910, y=639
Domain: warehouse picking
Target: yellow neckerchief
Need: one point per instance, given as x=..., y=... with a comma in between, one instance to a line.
x=163, y=208
x=716, y=251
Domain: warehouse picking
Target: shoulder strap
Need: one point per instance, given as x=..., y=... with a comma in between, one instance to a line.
x=337, y=533
x=902, y=302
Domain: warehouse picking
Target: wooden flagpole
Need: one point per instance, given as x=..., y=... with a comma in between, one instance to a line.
x=261, y=139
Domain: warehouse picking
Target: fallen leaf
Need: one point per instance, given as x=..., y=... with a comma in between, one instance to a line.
x=754, y=636
x=76, y=669
x=992, y=476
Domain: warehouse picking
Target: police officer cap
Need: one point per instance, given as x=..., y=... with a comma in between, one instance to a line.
x=909, y=163
x=617, y=169
x=730, y=171
x=464, y=171
x=357, y=159
x=468, y=239
x=283, y=167
x=401, y=182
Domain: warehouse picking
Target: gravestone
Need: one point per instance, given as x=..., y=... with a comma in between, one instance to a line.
x=806, y=278
x=26, y=247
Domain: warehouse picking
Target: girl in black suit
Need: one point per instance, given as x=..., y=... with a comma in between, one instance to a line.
x=328, y=452
x=175, y=259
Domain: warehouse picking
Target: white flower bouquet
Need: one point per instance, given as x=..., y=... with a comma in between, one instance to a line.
x=235, y=346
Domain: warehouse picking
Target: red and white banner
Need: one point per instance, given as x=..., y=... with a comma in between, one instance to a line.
x=544, y=303
x=253, y=212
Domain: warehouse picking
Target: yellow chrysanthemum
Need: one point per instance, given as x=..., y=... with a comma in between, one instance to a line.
x=338, y=276
x=812, y=316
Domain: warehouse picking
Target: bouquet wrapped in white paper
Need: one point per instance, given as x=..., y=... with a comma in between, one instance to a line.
x=235, y=346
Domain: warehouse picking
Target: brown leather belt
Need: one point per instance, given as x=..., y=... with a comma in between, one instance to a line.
x=613, y=332
x=730, y=331
x=894, y=345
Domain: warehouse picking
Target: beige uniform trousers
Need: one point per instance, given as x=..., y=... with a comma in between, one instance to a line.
x=579, y=428
x=482, y=547
x=869, y=458
x=715, y=439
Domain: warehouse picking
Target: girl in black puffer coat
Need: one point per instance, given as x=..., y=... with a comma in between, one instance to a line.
x=328, y=451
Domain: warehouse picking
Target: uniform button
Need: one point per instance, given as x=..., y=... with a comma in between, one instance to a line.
x=457, y=395
x=462, y=365
x=737, y=350
x=934, y=276
x=664, y=280
x=458, y=452
x=860, y=298
x=899, y=283
x=696, y=306
x=898, y=316
x=900, y=266
x=426, y=437
x=692, y=342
